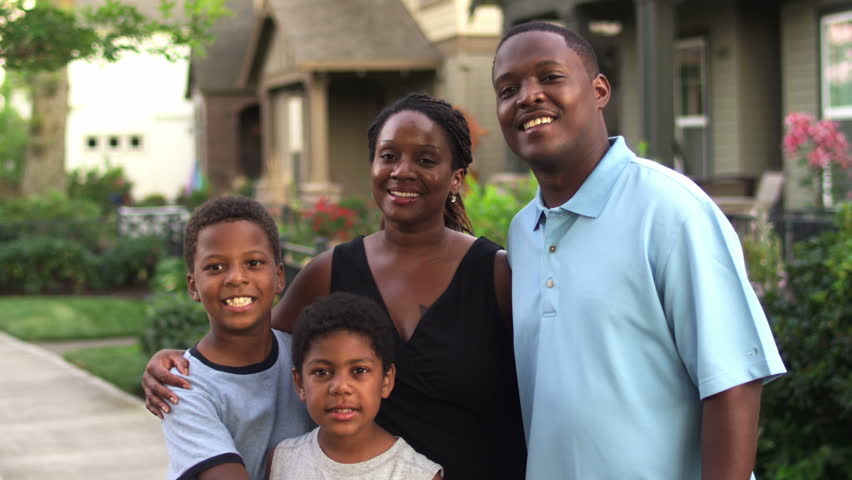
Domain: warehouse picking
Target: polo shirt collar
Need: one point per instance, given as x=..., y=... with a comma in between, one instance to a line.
x=591, y=198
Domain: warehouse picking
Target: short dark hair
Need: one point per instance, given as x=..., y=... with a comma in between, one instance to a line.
x=348, y=312
x=454, y=125
x=573, y=40
x=228, y=209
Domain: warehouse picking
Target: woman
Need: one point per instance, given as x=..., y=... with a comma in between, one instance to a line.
x=446, y=291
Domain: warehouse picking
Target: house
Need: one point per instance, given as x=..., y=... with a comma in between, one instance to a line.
x=704, y=86
x=132, y=114
x=287, y=91
x=226, y=114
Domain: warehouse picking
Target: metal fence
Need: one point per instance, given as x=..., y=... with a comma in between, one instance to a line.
x=792, y=226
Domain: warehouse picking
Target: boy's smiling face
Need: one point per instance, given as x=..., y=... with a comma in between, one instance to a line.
x=343, y=383
x=235, y=276
x=548, y=105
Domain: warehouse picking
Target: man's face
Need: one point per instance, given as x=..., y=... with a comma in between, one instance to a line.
x=548, y=104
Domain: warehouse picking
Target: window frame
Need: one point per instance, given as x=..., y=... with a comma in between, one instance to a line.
x=695, y=121
x=834, y=113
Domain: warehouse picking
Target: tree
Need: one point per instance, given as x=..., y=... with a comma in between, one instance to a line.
x=41, y=39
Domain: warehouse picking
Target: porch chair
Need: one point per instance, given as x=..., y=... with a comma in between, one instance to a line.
x=769, y=188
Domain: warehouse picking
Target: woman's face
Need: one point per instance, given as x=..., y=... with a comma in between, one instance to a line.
x=413, y=173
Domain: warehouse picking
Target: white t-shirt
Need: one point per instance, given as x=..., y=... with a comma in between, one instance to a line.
x=302, y=458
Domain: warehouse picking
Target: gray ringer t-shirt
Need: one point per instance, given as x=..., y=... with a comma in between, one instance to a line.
x=233, y=414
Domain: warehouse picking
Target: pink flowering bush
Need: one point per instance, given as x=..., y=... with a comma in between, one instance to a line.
x=821, y=145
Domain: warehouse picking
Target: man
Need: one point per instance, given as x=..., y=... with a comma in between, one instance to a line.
x=640, y=346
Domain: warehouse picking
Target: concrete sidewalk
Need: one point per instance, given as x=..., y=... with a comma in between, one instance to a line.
x=57, y=421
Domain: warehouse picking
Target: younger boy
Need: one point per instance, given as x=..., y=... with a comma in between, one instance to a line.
x=241, y=402
x=343, y=367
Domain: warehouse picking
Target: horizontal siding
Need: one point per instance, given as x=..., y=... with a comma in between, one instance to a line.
x=800, y=85
x=724, y=91
x=466, y=83
x=628, y=90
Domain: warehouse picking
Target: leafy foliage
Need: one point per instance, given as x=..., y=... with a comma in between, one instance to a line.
x=807, y=414
x=44, y=264
x=49, y=206
x=130, y=262
x=330, y=220
x=169, y=276
x=46, y=37
x=152, y=200
x=175, y=322
x=108, y=188
x=14, y=136
x=54, y=214
x=491, y=208
x=763, y=256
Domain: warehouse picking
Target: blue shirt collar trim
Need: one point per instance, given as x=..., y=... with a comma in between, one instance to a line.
x=591, y=198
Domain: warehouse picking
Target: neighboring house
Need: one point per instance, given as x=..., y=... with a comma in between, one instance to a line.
x=227, y=115
x=289, y=88
x=466, y=41
x=322, y=70
x=132, y=114
x=739, y=67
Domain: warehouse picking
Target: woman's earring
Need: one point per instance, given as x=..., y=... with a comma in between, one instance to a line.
x=452, y=198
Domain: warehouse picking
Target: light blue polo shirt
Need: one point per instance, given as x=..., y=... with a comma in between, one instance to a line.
x=631, y=304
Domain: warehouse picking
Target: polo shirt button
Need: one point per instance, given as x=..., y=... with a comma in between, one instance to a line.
x=552, y=248
x=549, y=284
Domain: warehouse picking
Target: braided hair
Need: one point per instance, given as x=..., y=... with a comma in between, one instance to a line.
x=454, y=125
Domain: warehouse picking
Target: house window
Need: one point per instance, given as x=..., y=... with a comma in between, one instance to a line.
x=92, y=143
x=114, y=142
x=836, y=53
x=135, y=142
x=691, y=116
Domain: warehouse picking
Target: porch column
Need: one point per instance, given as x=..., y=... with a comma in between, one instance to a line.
x=319, y=178
x=655, y=19
x=271, y=188
x=318, y=98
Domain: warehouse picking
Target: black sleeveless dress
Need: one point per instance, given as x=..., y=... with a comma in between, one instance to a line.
x=456, y=394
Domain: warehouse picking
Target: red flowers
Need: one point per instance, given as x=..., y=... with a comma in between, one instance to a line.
x=329, y=220
x=819, y=143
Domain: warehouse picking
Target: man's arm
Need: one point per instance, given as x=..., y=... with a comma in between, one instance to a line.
x=729, y=432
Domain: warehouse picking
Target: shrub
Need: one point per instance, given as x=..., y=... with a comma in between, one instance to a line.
x=807, y=414
x=152, y=200
x=54, y=214
x=175, y=320
x=108, y=188
x=329, y=220
x=169, y=276
x=194, y=198
x=491, y=209
x=44, y=264
x=130, y=262
x=763, y=257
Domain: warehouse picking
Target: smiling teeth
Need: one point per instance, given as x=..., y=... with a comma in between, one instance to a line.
x=537, y=121
x=404, y=194
x=238, y=301
x=343, y=410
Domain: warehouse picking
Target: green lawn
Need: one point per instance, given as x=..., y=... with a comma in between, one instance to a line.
x=38, y=318
x=121, y=366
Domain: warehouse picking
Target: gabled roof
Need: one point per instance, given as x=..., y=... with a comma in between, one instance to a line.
x=350, y=35
x=219, y=69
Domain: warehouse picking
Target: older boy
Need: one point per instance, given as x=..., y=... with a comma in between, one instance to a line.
x=639, y=342
x=242, y=401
